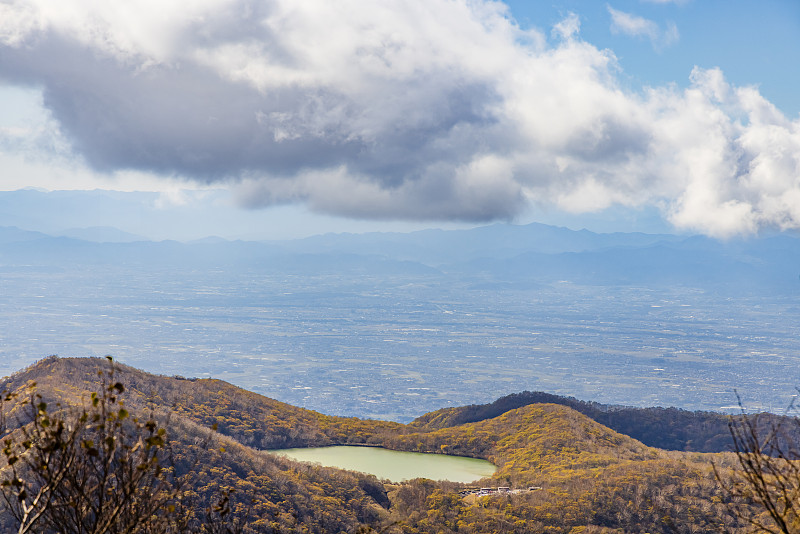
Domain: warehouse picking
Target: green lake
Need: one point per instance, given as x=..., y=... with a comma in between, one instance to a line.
x=394, y=465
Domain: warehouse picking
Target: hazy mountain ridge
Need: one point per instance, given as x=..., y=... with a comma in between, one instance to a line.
x=501, y=241
x=516, y=254
x=101, y=234
x=586, y=470
x=12, y=234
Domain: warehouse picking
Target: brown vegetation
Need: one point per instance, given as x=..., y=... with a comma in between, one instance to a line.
x=592, y=479
x=767, y=473
x=665, y=428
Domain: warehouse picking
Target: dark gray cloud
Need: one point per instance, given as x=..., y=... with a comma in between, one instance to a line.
x=186, y=119
x=183, y=120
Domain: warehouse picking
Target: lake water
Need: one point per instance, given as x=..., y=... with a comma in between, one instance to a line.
x=394, y=465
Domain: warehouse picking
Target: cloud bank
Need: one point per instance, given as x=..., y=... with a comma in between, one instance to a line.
x=402, y=109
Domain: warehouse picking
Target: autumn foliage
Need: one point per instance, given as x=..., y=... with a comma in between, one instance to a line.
x=588, y=478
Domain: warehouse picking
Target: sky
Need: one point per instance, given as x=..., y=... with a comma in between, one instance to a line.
x=312, y=116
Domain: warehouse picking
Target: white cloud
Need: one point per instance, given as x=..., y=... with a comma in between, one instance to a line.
x=636, y=26
x=403, y=109
x=568, y=27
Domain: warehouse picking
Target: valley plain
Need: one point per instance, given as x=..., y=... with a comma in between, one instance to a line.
x=383, y=326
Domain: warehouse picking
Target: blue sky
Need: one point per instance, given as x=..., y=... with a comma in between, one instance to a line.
x=304, y=117
x=754, y=43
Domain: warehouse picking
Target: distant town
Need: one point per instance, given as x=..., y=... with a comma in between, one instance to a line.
x=346, y=335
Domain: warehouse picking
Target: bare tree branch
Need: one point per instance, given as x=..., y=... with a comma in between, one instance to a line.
x=768, y=473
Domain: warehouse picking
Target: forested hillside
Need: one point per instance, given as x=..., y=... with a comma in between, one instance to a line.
x=665, y=428
x=590, y=478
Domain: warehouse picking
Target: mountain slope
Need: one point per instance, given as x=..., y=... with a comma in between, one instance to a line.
x=529, y=254
x=590, y=476
x=664, y=428
x=272, y=494
x=251, y=419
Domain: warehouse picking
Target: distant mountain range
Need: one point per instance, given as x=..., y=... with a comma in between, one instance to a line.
x=528, y=254
x=101, y=234
x=497, y=241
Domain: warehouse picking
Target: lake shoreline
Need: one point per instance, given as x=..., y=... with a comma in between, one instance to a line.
x=393, y=465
